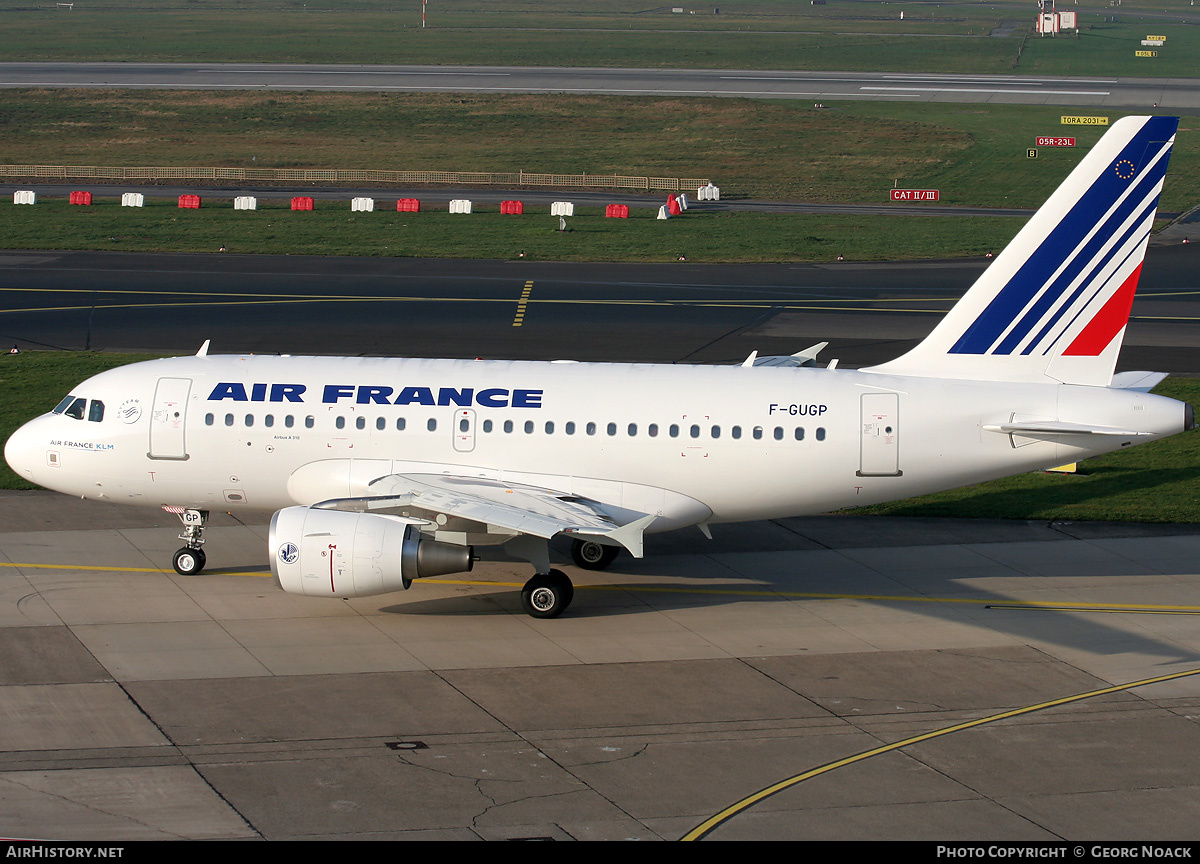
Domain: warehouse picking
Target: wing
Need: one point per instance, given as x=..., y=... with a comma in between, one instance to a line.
x=497, y=508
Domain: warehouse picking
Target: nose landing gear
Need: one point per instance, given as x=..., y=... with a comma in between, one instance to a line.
x=189, y=560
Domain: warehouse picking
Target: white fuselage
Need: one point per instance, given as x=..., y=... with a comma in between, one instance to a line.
x=690, y=444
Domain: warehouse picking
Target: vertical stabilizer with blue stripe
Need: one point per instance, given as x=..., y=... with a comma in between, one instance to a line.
x=1054, y=304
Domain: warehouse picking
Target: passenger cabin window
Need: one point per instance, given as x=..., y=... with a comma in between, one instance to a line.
x=269, y=420
x=431, y=425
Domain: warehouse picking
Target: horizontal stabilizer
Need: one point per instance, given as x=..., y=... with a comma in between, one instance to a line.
x=1143, y=382
x=1057, y=427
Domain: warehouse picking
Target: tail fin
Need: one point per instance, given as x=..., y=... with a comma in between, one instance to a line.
x=1054, y=304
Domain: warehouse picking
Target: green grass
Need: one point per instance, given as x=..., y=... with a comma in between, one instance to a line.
x=332, y=229
x=769, y=34
x=1153, y=482
x=746, y=35
x=779, y=149
x=1150, y=483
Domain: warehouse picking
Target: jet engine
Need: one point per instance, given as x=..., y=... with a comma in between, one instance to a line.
x=335, y=553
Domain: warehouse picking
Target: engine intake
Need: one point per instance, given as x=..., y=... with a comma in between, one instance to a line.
x=334, y=553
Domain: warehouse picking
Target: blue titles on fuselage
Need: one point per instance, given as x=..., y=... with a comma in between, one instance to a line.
x=363, y=394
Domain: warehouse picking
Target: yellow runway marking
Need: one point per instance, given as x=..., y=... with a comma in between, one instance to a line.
x=222, y=298
x=710, y=824
x=521, y=304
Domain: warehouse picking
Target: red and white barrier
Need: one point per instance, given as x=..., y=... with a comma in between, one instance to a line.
x=616, y=211
x=25, y=196
x=512, y=208
x=708, y=193
x=562, y=208
x=133, y=199
x=84, y=199
x=460, y=205
x=408, y=205
x=189, y=202
x=245, y=202
x=362, y=205
x=673, y=207
x=302, y=202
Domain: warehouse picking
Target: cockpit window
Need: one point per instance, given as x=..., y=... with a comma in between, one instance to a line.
x=76, y=409
x=62, y=406
x=96, y=411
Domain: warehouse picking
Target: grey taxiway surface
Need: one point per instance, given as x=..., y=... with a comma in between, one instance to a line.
x=140, y=704
x=1108, y=92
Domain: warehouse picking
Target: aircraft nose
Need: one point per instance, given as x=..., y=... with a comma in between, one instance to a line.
x=21, y=452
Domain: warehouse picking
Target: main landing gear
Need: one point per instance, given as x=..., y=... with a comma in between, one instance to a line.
x=189, y=560
x=547, y=595
x=591, y=555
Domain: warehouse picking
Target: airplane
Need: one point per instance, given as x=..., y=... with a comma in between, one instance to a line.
x=383, y=471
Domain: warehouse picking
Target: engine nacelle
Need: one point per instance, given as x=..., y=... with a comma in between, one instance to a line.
x=336, y=553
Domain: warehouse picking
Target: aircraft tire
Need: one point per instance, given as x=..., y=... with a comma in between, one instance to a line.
x=188, y=562
x=589, y=555
x=547, y=595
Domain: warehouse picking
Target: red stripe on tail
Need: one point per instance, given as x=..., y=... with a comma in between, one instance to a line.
x=1107, y=323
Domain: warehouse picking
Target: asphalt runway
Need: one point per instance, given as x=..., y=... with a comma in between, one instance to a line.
x=891, y=678
x=672, y=313
x=1169, y=94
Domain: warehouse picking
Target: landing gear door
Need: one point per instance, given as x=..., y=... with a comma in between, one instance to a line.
x=167, y=419
x=879, y=454
x=464, y=430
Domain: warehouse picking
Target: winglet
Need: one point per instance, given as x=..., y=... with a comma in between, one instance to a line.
x=628, y=535
x=203, y=352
